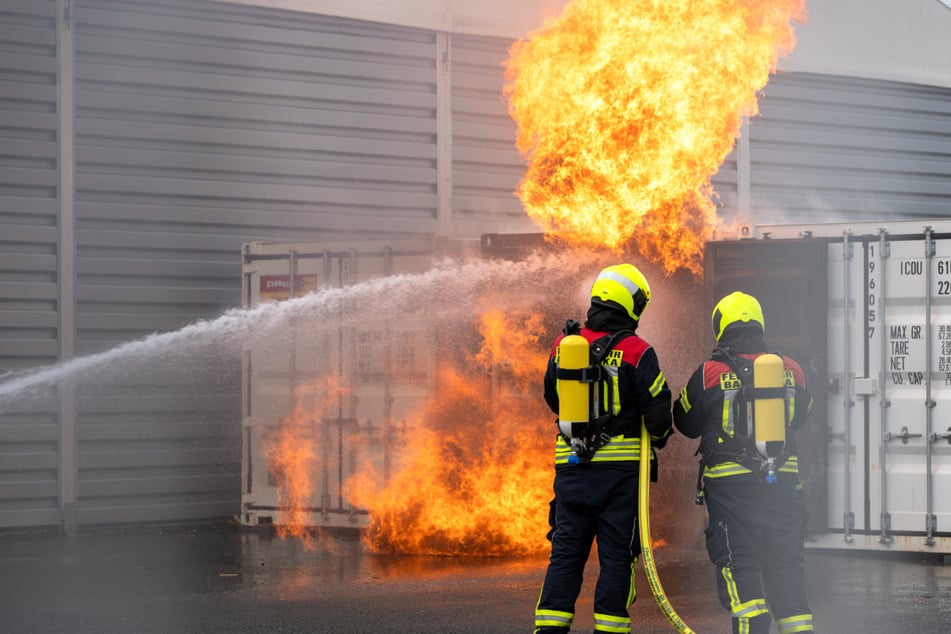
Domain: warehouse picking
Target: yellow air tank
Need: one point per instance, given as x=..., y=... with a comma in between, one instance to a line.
x=769, y=413
x=572, y=395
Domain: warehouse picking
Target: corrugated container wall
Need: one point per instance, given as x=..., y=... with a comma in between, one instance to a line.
x=144, y=141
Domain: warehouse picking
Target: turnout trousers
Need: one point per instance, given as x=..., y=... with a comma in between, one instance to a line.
x=591, y=503
x=755, y=539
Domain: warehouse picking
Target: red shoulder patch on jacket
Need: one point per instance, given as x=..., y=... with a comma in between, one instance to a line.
x=712, y=370
x=633, y=348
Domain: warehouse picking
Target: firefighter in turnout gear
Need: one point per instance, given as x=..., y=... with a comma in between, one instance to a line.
x=750, y=484
x=597, y=461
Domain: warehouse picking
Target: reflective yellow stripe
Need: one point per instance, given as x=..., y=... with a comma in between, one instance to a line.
x=795, y=623
x=725, y=469
x=741, y=610
x=552, y=618
x=684, y=401
x=632, y=590
x=658, y=384
x=791, y=465
x=618, y=449
x=727, y=416
x=616, y=390
x=610, y=623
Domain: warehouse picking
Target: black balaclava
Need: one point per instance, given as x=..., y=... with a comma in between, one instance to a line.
x=607, y=316
x=743, y=338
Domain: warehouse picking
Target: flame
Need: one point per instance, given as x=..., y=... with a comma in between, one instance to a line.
x=293, y=458
x=627, y=108
x=476, y=471
x=477, y=463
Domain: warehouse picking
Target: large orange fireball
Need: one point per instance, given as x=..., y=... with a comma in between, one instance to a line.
x=627, y=108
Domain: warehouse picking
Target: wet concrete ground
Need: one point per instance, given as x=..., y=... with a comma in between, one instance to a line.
x=223, y=578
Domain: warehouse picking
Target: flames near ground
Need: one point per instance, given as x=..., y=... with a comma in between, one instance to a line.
x=625, y=111
x=474, y=477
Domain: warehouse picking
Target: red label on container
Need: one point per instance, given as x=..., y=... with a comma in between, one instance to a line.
x=277, y=287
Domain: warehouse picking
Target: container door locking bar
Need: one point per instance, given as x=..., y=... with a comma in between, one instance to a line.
x=936, y=436
x=848, y=518
x=885, y=518
x=904, y=436
x=931, y=520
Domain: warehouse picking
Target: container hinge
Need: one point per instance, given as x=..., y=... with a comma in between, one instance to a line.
x=848, y=523
x=886, y=528
x=930, y=245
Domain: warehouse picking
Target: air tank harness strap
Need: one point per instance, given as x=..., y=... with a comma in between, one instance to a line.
x=589, y=374
x=602, y=427
x=739, y=449
x=745, y=458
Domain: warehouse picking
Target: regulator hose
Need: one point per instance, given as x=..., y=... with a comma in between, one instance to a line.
x=643, y=518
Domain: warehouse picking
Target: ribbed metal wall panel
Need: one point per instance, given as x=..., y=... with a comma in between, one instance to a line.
x=849, y=149
x=201, y=126
x=28, y=183
x=29, y=235
x=231, y=123
x=486, y=167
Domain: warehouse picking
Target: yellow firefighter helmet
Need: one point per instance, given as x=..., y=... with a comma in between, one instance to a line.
x=736, y=308
x=624, y=285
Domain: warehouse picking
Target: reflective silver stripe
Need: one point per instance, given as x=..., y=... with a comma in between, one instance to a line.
x=609, y=623
x=658, y=384
x=749, y=609
x=628, y=285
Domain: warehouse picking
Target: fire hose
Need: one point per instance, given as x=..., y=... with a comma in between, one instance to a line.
x=647, y=554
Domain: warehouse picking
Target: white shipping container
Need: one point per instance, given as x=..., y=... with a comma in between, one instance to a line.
x=329, y=382
x=878, y=451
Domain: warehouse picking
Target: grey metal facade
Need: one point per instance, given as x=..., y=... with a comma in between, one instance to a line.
x=29, y=238
x=830, y=148
x=142, y=142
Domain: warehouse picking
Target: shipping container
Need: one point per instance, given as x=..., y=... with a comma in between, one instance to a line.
x=866, y=309
x=323, y=377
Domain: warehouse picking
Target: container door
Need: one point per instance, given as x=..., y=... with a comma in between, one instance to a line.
x=910, y=354
x=849, y=319
x=339, y=386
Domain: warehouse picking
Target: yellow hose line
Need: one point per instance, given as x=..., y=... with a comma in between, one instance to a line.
x=647, y=554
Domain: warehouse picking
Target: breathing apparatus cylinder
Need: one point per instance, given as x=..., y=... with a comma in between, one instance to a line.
x=573, y=395
x=769, y=413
